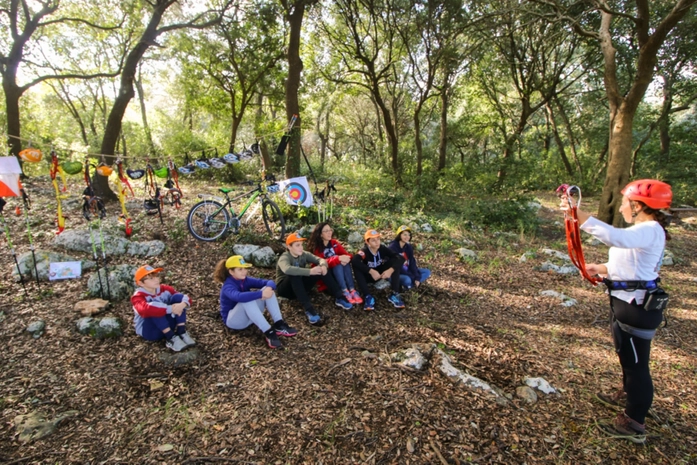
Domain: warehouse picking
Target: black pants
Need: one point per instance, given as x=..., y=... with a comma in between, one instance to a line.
x=634, y=355
x=297, y=287
x=362, y=279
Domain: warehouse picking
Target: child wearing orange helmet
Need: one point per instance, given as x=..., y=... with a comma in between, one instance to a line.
x=294, y=279
x=631, y=274
x=374, y=262
x=159, y=310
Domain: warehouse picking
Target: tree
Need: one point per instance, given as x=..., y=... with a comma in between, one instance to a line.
x=148, y=38
x=645, y=26
x=294, y=13
x=366, y=41
x=27, y=26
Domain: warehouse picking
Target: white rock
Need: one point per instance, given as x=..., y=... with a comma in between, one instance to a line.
x=467, y=253
x=427, y=228
x=540, y=384
x=556, y=254
x=245, y=250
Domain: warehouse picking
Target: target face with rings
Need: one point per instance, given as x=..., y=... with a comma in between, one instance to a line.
x=296, y=192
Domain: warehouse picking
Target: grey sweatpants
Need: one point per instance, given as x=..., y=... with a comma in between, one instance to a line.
x=245, y=313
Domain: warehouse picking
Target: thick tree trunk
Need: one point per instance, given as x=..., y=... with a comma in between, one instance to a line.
x=618, y=166
x=144, y=115
x=126, y=93
x=12, y=96
x=295, y=68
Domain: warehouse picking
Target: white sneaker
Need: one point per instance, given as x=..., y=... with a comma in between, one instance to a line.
x=176, y=344
x=188, y=340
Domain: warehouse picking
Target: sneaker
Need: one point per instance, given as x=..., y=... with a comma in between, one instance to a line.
x=356, y=297
x=312, y=316
x=626, y=428
x=343, y=303
x=272, y=339
x=282, y=329
x=396, y=300
x=616, y=398
x=348, y=297
x=176, y=343
x=188, y=340
x=369, y=303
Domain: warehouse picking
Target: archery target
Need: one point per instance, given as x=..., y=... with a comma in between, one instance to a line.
x=296, y=192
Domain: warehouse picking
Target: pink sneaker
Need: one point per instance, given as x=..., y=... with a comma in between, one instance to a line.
x=356, y=297
x=348, y=297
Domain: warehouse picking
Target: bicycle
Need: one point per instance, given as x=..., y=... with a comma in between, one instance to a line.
x=212, y=217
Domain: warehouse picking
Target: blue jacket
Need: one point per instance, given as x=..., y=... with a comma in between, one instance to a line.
x=409, y=268
x=235, y=291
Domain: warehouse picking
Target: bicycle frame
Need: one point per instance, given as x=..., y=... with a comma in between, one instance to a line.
x=228, y=201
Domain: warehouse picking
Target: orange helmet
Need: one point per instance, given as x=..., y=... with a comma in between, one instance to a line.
x=104, y=170
x=31, y=155
x=655, y=194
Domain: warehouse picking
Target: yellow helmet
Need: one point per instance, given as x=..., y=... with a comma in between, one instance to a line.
x=403, y=228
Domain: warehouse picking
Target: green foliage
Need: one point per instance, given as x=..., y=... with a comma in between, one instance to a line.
x=501, y=214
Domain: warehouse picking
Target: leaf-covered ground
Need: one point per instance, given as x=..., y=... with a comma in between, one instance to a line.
x=324, y=399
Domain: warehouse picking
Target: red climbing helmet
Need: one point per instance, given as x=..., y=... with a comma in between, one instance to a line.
x=655, y=194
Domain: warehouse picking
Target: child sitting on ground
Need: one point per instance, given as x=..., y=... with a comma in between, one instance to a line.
x=160, y=311
x=374, y=262
x=338, y=260
x=240, y=306
x=294, y=279
x=410, y=274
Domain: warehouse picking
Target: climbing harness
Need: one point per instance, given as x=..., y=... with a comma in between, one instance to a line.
x=573, y=233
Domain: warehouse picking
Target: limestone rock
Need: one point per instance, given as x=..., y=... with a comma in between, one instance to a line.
x=36, y=328
x=91, y=307
x=121, y=284
x=178, y=359
x=410, y=358
x=34, y=426
x=467, y=254
x=264, y=258
x=100, y=328
x=246, y=250
x=527, y=394
x=43, y=260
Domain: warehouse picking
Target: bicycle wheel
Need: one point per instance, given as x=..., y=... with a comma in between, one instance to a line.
x=273, y=219
x=208, y=220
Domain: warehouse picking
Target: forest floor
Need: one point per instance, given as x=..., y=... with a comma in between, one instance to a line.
x=329, y=398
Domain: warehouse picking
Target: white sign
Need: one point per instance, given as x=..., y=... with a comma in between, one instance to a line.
x=64, y=270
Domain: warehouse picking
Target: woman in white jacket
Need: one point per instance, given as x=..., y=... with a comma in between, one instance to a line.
x=631, y=274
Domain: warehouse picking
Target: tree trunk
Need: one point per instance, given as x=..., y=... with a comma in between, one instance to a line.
x=126, y=93
x=12, y=96
x=295, y=67
x=664, y=122
x=559, y=142
x=570, y=134
x=618, y=166
x=417, y=141
x=443, y=139
x=263, y=146
x=144, y=114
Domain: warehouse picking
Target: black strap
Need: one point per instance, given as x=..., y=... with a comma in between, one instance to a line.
x=631, y=286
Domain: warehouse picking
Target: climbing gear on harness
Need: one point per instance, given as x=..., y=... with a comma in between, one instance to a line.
x=656, y=298
x=53, y=170
x=573, y=233
x=123, y=184
x=655, y=194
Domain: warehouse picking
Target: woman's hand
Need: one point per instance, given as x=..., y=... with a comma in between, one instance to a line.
x=344, y=259
x=596, y=269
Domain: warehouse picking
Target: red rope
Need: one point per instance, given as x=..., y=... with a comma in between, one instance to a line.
x=573, y=235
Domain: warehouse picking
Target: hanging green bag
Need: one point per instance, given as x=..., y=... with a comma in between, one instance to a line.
x=71, y=167
x=162, y=173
